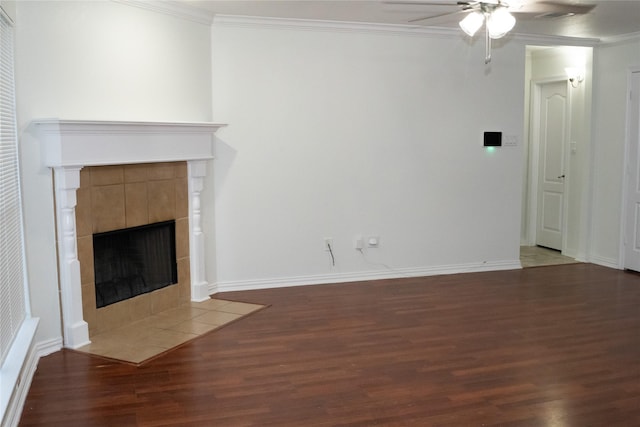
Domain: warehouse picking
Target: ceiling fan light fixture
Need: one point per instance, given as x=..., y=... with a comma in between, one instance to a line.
x=500, y=22
x=472, y=23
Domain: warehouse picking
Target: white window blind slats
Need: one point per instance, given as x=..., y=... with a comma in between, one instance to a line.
x=12, y=278
x=5, y=68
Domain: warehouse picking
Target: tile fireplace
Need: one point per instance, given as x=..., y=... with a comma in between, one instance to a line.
x=70, y=147
x=119, y=202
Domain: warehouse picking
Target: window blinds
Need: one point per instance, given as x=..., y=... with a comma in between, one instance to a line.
x=12, y=276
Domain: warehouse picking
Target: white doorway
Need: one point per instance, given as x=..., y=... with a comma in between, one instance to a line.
x=632, y=193
x=557, y=166
x=549, y=125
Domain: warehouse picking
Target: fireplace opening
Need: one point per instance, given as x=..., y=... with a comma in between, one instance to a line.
x=134, y=261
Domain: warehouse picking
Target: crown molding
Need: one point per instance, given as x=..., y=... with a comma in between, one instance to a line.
x=183, y=11
x=172, y=8
x=631, y=37
x=340, y=26
x=400, y=29
x=556, y=40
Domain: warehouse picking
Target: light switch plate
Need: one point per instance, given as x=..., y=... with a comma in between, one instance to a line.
x=510, y=140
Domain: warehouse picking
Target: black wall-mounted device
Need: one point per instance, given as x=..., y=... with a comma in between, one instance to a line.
x=493, y=139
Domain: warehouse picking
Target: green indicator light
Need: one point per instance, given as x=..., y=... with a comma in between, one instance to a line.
x=491, y=149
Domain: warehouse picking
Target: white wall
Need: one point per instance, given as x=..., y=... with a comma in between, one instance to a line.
x=347, y=132
x=611, y=67
x=104, y=61
x=548, y=64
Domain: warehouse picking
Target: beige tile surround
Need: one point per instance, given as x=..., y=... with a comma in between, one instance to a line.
x=142, y=340
x=121, y=196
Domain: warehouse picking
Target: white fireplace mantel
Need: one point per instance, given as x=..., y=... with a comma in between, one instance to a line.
x=96, y=143
x=69, y=145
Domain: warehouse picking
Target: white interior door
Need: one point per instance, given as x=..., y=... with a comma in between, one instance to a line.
x=632, y=211
x=552, y=133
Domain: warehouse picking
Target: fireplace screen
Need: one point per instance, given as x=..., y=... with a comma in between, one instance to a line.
x=134, y=261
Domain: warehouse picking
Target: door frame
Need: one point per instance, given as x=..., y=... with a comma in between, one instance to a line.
x=534, y=159
x=626, y=169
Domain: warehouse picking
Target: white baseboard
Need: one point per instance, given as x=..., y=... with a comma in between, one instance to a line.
x=16, y=373
x=282, y=282
x=581, y=257
x=570, y=253
x=605, y=262
x=45, y=348
x=24, y=374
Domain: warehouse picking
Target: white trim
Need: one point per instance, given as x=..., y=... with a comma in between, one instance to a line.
x=18, y=366
x=98, y=143
x=580, y=257
x=47, y=347
x=534, y=160
x=197, y=171
x=568, y=137
x=624, y=38
x=333, y=26
x=625, y=170
x=283, y=282
x=584, y=243
x=22, y=388
x=75, y=329
x=544, y=40
x=36, y=351
x=404, y=29
x=172, y=8
x=605, y=262
x=40, y=349
x=575, y=254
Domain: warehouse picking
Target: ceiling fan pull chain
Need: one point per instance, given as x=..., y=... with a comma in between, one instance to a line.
x=487, y=42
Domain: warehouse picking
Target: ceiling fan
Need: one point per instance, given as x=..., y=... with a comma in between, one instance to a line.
x=497, y=15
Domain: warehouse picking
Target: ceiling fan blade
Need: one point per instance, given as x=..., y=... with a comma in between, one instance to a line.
x=428, y=3
x=553, y=7
x=458, y=12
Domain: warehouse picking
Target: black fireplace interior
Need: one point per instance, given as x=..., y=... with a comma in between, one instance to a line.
x=134, y=261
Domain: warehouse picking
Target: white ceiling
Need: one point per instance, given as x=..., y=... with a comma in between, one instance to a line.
x=609, y=19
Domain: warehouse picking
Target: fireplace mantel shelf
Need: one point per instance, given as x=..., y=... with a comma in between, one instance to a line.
x=96, y=143
x=69, y=145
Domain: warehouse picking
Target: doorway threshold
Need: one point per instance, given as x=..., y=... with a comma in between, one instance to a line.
x=537, y=256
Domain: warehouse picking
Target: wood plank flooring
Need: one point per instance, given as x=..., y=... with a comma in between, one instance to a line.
x=547, y=346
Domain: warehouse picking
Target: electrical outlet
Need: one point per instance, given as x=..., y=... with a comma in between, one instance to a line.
x=328, y=241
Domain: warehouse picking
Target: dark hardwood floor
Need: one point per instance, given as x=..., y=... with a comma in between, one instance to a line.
x=547, y=346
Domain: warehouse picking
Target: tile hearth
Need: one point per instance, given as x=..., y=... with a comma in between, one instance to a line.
x=157, y=334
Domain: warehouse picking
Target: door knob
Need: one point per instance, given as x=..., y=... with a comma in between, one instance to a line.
x=561, y=176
